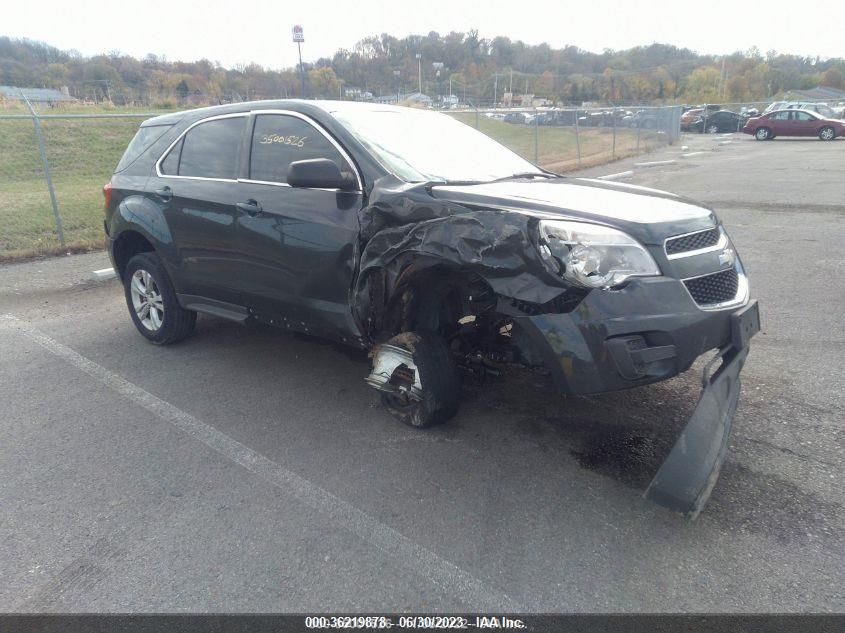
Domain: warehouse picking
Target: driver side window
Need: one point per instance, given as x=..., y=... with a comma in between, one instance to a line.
x=280, y=139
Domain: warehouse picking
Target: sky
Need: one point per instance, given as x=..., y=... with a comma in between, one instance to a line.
x=260, y=30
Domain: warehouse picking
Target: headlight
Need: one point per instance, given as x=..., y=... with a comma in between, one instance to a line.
x=593, y=256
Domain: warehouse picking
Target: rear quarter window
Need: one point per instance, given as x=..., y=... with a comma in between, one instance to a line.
x=144, y=138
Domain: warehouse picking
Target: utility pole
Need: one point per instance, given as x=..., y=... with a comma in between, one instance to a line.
x=510, y=88
x=419, y=70
x=495, y=88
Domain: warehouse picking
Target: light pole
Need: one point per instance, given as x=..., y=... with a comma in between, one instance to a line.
x=299, y=37
x=419, y=68
x=396, y=74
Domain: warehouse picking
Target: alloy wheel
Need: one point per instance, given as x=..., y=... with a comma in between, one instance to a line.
x=147, y=300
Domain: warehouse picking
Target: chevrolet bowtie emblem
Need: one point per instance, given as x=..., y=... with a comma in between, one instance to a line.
x=727, y=256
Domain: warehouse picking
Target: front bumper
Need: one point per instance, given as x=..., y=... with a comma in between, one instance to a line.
x=588, y=352
x=648, y=331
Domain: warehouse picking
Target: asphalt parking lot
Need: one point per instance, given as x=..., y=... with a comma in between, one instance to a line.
x=249, y=470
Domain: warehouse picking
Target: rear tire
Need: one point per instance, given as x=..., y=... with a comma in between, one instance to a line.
x=152, y=302
x=827, y=133
x=712, y=129
x=439, y=378
x=763, y=134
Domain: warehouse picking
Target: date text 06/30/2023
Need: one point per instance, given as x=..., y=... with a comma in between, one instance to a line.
x=413, y=622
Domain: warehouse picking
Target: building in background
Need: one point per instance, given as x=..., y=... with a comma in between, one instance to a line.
x=36, y=96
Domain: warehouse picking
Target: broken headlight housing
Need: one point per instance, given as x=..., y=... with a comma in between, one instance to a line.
x=593, y=256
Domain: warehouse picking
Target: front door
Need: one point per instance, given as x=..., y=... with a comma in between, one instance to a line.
x=297, y=244
x=805, y=124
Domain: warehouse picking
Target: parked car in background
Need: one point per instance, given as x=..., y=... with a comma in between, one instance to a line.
x=514, y=117
x=819, y=108
x=645, y=119
x=794, y=123
x=721, y=121
x=691, y=115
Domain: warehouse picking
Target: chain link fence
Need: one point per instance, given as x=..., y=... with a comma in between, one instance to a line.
x=565, y=139
x=52, y=170
x=53, y=166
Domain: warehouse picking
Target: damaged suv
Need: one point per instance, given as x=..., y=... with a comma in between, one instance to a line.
x=413, y=236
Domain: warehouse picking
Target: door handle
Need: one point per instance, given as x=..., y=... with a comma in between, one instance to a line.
x=165, y=193
x=251, y=207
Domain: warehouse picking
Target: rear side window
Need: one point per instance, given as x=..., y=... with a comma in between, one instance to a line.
x=279, y=139
x=140, y=143
x=209, y=150
x=170, y=165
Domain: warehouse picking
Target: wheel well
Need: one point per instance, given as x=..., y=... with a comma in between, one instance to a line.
x=127, y=245
x=435, y=299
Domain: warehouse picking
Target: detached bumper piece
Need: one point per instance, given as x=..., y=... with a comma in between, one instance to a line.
x=686, y=479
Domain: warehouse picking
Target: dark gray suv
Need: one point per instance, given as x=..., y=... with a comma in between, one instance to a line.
x=416, y=237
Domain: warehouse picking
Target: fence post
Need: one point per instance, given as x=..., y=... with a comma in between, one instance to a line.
x=47, y=174
x=613, y=151
x=536, y=138
x=577, y=139
x=476, y=117
x=639, y=123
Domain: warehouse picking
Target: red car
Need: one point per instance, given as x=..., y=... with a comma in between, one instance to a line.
x=794, y=123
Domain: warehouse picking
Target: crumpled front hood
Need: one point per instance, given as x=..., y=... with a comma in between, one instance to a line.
x=649, y=214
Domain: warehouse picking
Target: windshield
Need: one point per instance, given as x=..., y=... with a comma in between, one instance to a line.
x=419, y=146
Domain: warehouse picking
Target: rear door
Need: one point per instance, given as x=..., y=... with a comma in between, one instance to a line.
x=297, y=244
x=779, y=123
x=197, y=185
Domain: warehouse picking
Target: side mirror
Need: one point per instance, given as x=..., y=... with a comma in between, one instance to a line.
x=319, y=173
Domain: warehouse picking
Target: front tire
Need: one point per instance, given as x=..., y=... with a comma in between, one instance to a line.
x=152, y=302
x=439, y=378
x=712, y=129
x=763, y=134
x=827, y=133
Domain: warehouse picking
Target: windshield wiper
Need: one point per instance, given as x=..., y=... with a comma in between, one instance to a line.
x=454, y=183
x=527, y=174
x=462, y=183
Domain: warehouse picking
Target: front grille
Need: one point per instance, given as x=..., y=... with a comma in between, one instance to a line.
x=716, y=288
x=692, y=242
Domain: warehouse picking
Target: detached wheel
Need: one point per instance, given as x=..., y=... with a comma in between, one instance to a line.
x=762, y=134
x=152, y=302
x=827, y=133
x=421, y=388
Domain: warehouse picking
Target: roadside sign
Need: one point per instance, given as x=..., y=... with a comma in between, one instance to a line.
x=298, y=34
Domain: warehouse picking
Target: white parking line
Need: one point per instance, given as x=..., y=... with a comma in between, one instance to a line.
x=103, y=274
x=409, y=554
x=655, y=163
x=621, y=174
